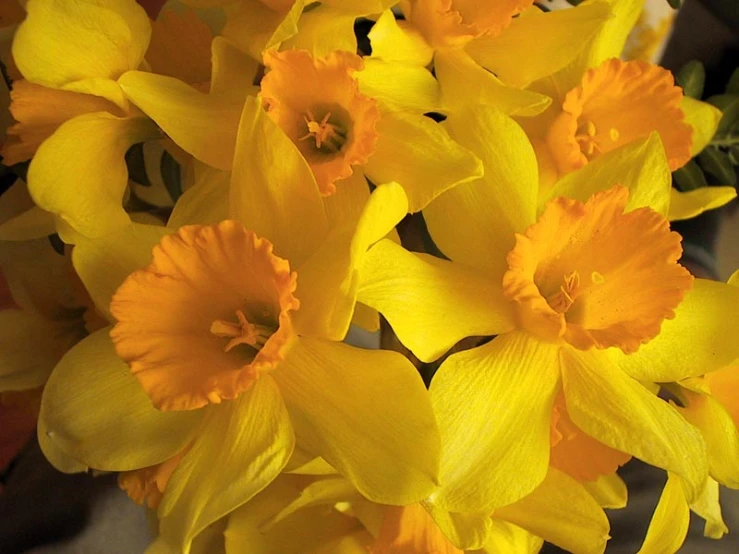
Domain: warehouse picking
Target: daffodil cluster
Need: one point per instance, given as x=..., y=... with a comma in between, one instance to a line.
x=211, y=205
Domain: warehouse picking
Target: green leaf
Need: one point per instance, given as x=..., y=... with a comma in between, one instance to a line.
x=170, y=170
x=718, y=164
x=675, y=4
x=689, y=177
x=734, y=155
x=729, y=106
x=692, y=78
x=732, y=87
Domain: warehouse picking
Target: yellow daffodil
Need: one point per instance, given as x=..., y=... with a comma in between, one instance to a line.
x=587, y=299
x=233, y=338
x=72, y=98
x=470, y=43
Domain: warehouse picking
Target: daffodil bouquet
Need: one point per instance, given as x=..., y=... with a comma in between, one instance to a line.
x=206, y=204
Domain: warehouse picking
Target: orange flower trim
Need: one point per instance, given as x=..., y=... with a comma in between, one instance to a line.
x=411, y=530
x=616, y=103
x=595, y=276
x=453, y=23
x=147, y=485
x=317, y=103
x=577, y=454
x=209, y=313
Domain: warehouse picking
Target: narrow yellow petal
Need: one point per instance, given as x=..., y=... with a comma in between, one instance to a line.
x=431, y=304
x=703, y=118
x=493, y=454
x=615, y=409
x=400, y=86
x=475, y=223
x=373, y=423
x=328, y=280
x=609, y=491
x=719, y=432
x=94, y=410
x=242, y=447
x=685, y=205
x=543, y=43
x=234, y=73
x=66, y=41
x=511, y=539
x=562, y=512
x=708, y=507
x=202, y=124
x=322, y=30
x=468, y=531
x=273, y=190
x=32, y=224
x=700, y=339
x=345, y=206
x=205, y=202
x=463, y=82
x=418, y=153
x=641, y=166
x=398, y=41
x=255, y=27
x=669, y=525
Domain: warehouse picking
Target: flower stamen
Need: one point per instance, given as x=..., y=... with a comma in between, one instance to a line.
x=242, y=332
x=329, y=137
x=564, y=298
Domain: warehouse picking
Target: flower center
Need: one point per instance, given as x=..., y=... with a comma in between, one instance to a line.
x=594, y=275
x=329, y=137
x=242, y=332
x=591, y=143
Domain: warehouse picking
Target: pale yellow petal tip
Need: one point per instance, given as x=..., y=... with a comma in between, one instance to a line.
x=568, y=273
x=317, y=103
x=209, y=314
x=685, y=205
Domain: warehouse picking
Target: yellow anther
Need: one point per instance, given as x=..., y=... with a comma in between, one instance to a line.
x=597, y=278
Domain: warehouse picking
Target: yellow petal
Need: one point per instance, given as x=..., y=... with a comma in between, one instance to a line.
x=345, y=206
x=700, y=338
x=234, y=73
x=431, y=304
x=399, y=86
x=30, y=347
x=103, y=264
x=708, y=507
x=399, y=41
x=255, y=27
x=95, y=411
x=328, y=281
x=719, y=432
x=273, y=191
x=615, y=409
x=373, y=423
x=202, y=124
x=243, y=445
x=475, y=223
x=609, y=491
x=543, y=43
x=205, y=202
x=361, y=7
x=641, y=166
x=562, y=512
x=64, y=42
x=80, y=172
x=325, y=491
x=511, y=539
x=54, y=454
x=703, y=118
x=31, y=224
x=684, y=205
x=669, y=525
x=322, y=30
x=418, y=153
x=494, y=454
x=463, y=82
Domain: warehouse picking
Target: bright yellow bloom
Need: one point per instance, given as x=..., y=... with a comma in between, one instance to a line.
x=586, y=301
x=236, y=341
x=616, y=103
